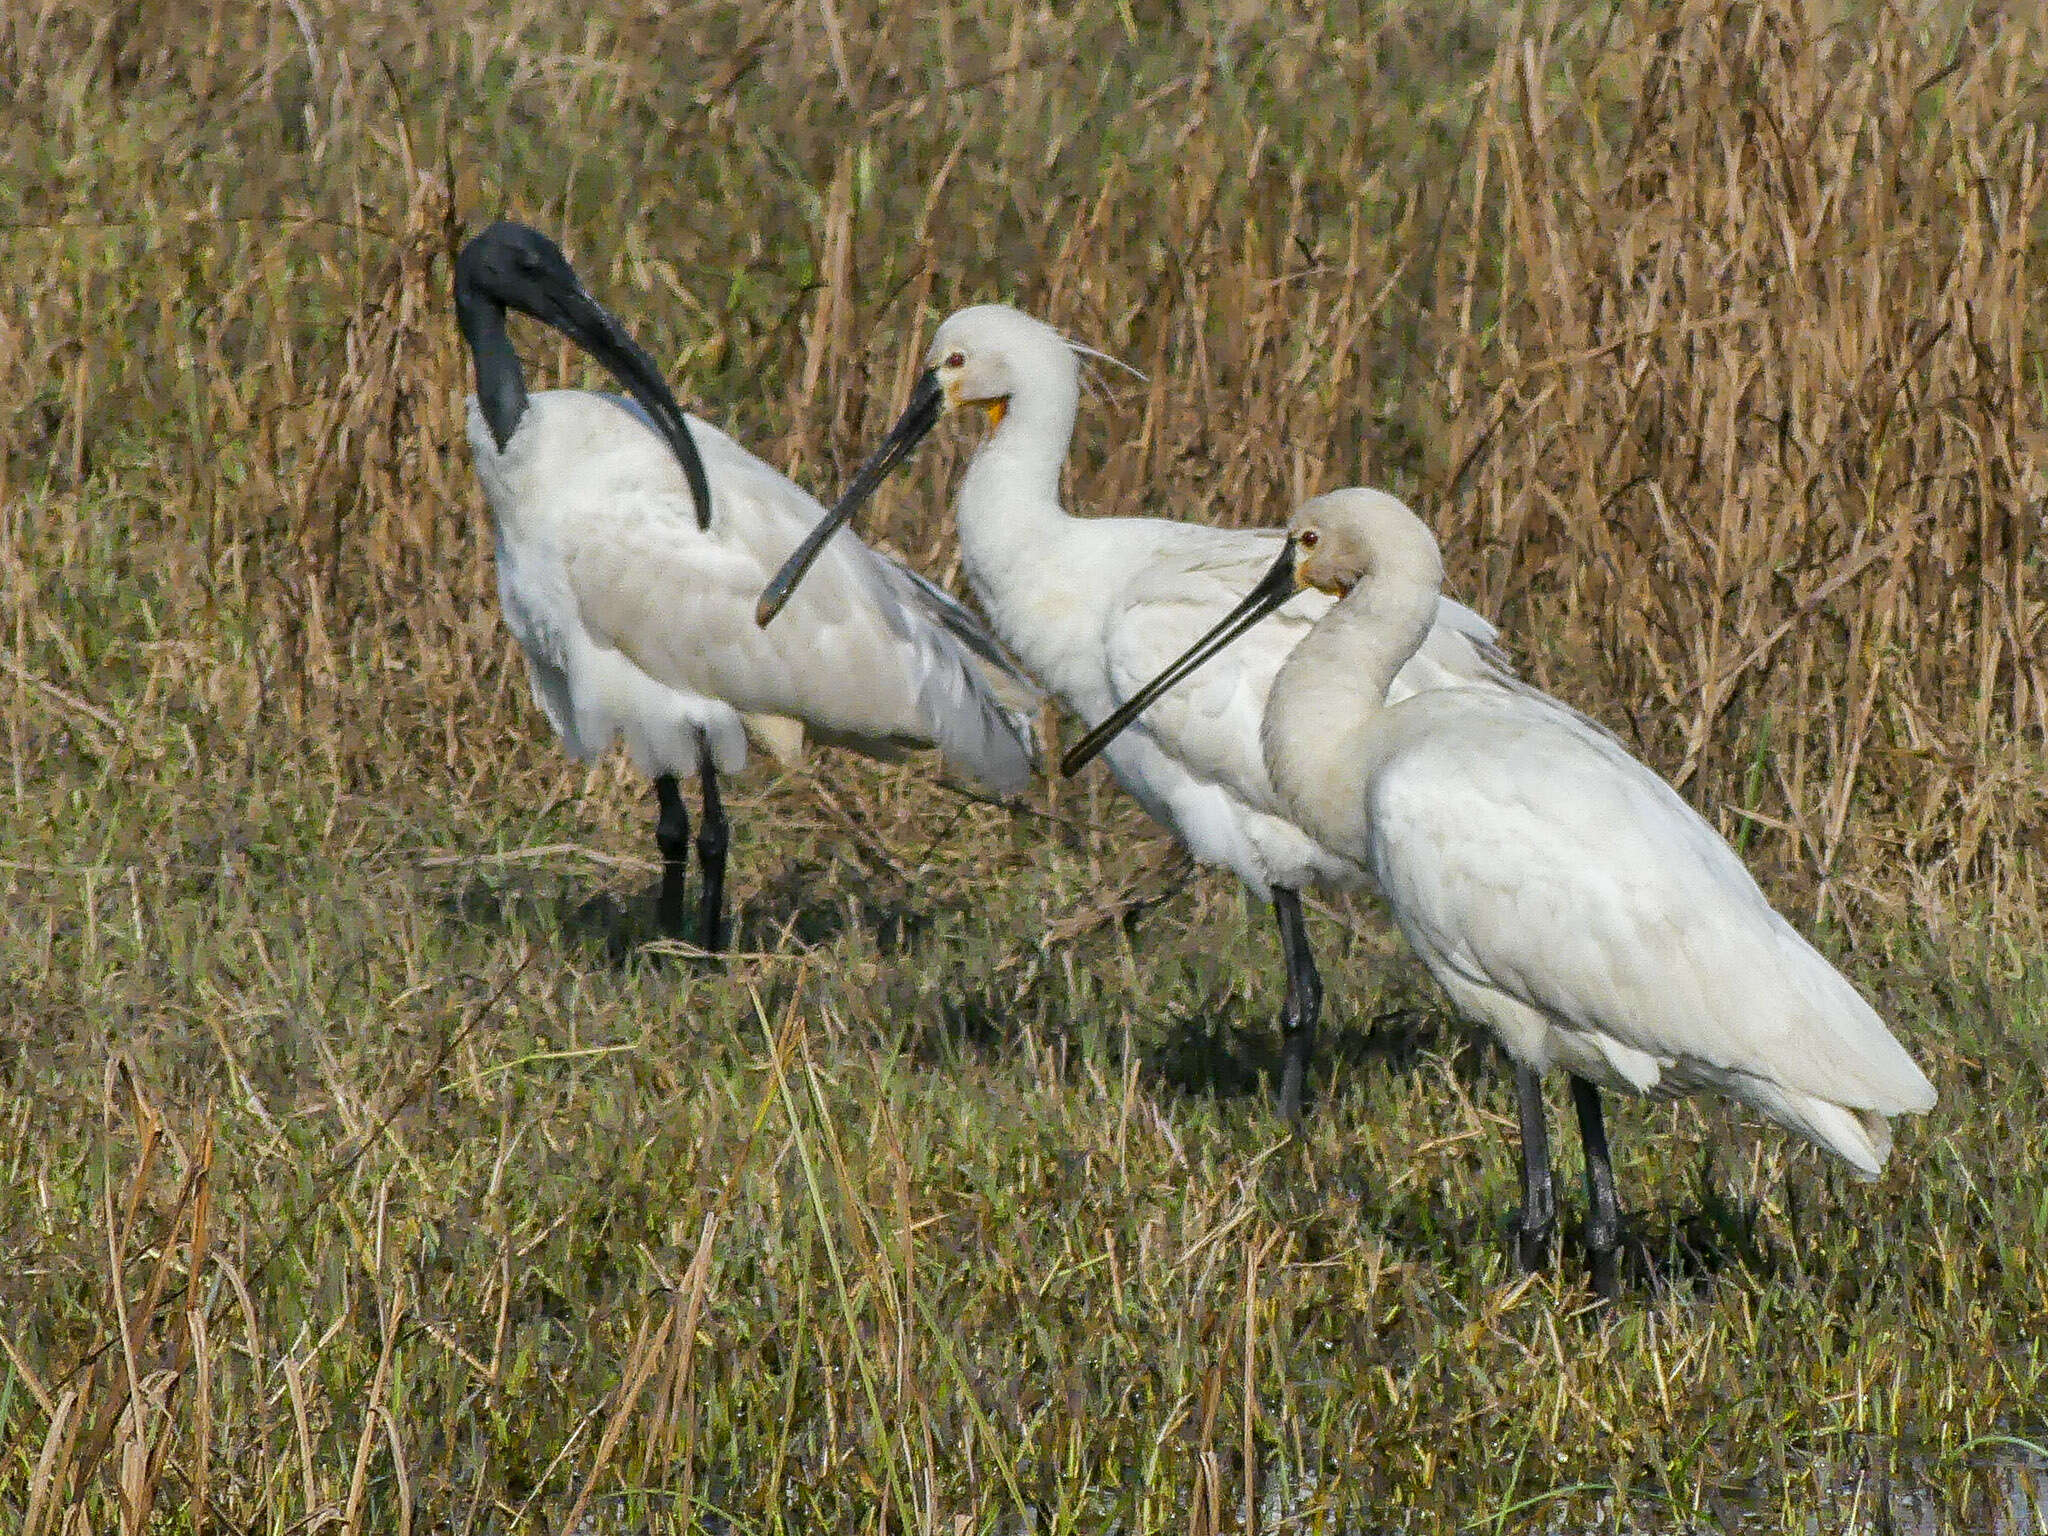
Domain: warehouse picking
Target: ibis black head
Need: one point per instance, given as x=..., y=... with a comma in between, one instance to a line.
x=514, y=266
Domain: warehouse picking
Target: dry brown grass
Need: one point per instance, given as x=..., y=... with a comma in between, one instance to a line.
x=1701, y=331
x=351, y=1184
x=1754, y=425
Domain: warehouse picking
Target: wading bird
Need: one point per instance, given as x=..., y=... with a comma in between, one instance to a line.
x=1558, y=890
x=1094, y=606
x=632, y=541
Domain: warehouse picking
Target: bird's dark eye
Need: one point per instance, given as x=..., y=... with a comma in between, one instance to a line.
x=956, y=359
x=1307, y=538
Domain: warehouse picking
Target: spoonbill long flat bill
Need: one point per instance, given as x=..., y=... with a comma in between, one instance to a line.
x=1558, y=890
x=1094, y=606
x=632, y=541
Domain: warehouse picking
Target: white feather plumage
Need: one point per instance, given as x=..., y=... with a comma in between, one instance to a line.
x=637, y=625
x=1562, y=893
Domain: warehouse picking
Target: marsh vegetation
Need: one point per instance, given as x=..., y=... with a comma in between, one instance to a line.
x=366, y=1165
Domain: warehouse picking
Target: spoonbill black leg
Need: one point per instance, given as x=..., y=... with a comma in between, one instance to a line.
x=712, y=831
x=1538, y=1217
x=1303, y=1007
x=1603, y=1214
x=672, y=837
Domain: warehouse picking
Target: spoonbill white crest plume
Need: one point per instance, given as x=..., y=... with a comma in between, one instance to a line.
x=1094, y=606
x=631, y=543
x=1558, y=890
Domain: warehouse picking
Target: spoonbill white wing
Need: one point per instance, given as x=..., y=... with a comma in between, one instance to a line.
x=1460, y=649
x=1210, y=723
x=1532, y=861
x=1210, y=720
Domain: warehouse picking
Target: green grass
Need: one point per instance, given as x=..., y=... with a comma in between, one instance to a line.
x=367, y=1166
x=985, y=1216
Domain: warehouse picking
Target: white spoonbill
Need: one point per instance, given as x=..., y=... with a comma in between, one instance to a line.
x=628, y=567
x=1558, y=890
x=1094, y=606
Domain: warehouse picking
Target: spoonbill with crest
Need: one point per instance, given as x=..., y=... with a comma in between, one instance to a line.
x=1094, y=606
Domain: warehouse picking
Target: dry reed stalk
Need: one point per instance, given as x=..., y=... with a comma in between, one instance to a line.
x=1742, y=421
x=640, y=1363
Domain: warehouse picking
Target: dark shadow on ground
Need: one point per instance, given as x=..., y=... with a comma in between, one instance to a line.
x=1213, y=1047
x=797, y=908
x=1217, y=1050
x=1711, y=1234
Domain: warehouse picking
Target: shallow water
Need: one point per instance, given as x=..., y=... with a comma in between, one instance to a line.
x=2008, y=1496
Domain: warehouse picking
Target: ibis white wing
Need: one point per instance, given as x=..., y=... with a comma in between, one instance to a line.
x=608, y=580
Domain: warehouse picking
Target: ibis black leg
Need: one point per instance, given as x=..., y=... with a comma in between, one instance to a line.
x=672, y=836
x=1603, y=1214
x=711, y=841
x=1304, y=1005
x=1538, y=1219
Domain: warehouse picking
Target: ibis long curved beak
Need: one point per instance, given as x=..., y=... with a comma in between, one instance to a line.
x=927, y=404
x=1273, y=590
x=573, y=312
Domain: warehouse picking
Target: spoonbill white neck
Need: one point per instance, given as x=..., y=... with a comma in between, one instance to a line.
x=1029, y=379
x=1025, y=375
x=1322, y=732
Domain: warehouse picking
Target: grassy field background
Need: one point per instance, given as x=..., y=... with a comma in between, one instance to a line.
x=366, y=1167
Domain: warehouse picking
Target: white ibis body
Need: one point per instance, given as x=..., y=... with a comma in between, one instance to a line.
x=1558, y=890
x=632, y=542
x=1093, y=607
